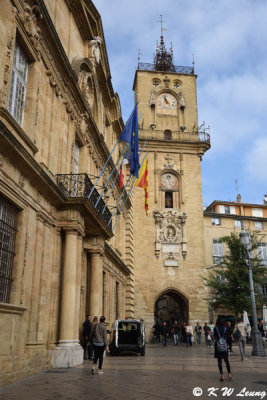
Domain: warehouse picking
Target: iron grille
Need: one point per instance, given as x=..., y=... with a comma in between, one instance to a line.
x=8, y=223
x=177, y=69
x=81, y=186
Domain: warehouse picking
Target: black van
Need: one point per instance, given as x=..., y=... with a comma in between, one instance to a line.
x=128, y=335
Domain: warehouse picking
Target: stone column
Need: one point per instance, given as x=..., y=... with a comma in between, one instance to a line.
x=96, y=284
x=68, y=353
x=78, y=288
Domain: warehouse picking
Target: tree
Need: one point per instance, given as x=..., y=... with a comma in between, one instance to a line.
x=229, y=282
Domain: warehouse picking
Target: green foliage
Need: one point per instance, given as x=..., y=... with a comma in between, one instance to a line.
x=229, y=282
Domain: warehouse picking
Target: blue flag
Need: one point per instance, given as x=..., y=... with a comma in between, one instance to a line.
x=130, y=135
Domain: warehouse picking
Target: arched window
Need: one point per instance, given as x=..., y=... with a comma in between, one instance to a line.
x=167, y=134
x=169, y=191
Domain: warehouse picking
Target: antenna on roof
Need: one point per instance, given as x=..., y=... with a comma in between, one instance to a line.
x=236, y=185
x=139, y=54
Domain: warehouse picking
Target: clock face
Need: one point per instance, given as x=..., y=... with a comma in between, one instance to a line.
x=166, y=104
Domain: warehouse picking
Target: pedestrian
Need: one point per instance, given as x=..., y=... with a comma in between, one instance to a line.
x=211, y=325
x=230, y=339
x=164, y=334
x=87, y=330
x=157, y=331
x=262, y=331
x=206, y=329
x=240, y=333
x=221, y=337
x=189, y=334
x=209, y=338
x=183, y=332
x=176, y=332
x=198, y=330
x=100, y=342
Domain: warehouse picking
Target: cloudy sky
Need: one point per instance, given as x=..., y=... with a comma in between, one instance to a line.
x=228, y=38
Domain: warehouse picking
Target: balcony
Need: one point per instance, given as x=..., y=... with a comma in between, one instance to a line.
x=80, y=186
x=192, y=137
x=177, y=69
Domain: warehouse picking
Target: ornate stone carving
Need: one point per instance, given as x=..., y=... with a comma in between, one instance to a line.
x=29, y=19
x=169, y=163
x=170, y=236
x=95, y=49
x=87, y=86
x=7, y=69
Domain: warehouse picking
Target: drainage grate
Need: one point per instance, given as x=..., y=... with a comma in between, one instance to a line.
x=55, y=371
x=261, y=383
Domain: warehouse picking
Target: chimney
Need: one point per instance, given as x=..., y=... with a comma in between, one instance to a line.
x=239, y=199
x=265, y=199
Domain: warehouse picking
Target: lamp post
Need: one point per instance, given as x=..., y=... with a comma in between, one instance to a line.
x=256, y=338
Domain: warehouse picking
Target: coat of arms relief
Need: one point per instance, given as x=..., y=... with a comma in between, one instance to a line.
x=170, y=236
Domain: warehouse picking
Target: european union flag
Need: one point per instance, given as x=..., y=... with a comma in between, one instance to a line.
x=130, y=135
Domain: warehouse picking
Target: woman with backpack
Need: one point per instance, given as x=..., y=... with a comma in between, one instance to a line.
x=221, y=337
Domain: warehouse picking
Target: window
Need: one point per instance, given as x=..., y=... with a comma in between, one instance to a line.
x=167, y=134
x=8, y=219
x=168, y=200
x=216, y=221
x=258, y=225
x=217, y=251
x=18, y=84
x=226, y=209
x=257, y=212
x=262, y=253
x=238, y=223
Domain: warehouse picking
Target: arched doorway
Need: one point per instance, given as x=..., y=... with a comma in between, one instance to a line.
x=170, y=306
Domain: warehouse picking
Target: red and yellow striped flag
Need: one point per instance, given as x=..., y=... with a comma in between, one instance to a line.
x=142, y=181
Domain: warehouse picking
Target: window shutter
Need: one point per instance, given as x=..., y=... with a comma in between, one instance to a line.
x=221, y=209
x=232, y=209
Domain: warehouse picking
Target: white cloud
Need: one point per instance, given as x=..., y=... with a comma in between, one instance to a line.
x=256, y=161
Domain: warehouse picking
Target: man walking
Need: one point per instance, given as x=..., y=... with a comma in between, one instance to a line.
x=198, y=330
x=100, y=343
x=87, y=346
x=176, y=331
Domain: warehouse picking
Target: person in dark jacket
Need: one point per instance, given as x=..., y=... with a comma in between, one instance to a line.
x=157, y=331
x=87, y=346
x=176, y=332
x=220, y=331
x=230, y=329
x=164, y=333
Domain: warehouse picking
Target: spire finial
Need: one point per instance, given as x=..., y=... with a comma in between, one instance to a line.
x=161, y=26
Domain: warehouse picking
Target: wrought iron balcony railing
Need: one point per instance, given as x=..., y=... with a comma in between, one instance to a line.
x=180, y=136
x=177, y=69
x=81, y=186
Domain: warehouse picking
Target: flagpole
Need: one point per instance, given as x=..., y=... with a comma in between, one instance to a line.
x=106, y=184
x=129, y=192
x=103, y=169
x=113, y=184
x=124, y=188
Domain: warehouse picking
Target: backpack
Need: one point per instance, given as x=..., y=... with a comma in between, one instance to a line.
x=222, y=345
x=237, y=334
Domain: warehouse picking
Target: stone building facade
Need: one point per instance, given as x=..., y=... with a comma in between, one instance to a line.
x=169, y=256
x=221, y=218
x=59, y=120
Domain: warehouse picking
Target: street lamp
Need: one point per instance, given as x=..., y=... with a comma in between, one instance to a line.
x=256, y=338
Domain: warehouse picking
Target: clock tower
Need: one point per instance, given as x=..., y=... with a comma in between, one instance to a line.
x=169, y=249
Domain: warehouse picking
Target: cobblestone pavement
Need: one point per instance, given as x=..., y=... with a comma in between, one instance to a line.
x=164, y=373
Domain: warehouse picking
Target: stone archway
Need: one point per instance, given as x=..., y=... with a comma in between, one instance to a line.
x=169, y=306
